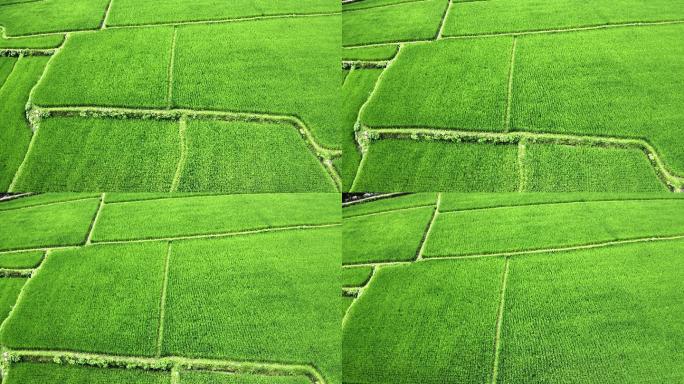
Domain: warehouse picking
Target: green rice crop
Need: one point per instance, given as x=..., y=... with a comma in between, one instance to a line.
x=52, y=16
x=385, y=52
x=411, y=166
x=280, y=304
x=345, y=303
x=43, y=199
x=20, y=260
x=47, y=41
x=133, y=72
x=424, y=322
x=9, y=291
x=293, y=66
x=610, y=315
x=77, y=154
x=59, y=224
x=132, y=12
x=457, y=84
x=96, y=299
x=590, y=169
x=384, y=237
x=250, y=157
x=6, y=66
x=550, y=226
x=15, y=134
x=214, y=214
x=354, y=277
x=481, y=17
x=410, y=21
x=355, y=91
x=389, y=204
x=366, y=4
x=623, y=82
x=230, y=378
x=28, y=373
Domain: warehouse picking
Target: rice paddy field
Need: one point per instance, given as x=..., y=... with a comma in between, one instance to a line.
x=513, y=95
x=170, y=289
x=130, y=96
x=513, y=288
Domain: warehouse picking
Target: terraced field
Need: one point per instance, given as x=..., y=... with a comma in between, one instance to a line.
x=143, y=288
x=513, y=288
x=122, y=95
x=513, y=95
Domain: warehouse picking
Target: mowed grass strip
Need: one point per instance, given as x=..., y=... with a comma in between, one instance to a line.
x=52, y=16
x=499, y=16
x=47, y=373
x=467, y=201
x=280, y=303
x=458, y=84
x=391, y=236
x=9, y=291
x=200, y=377
x=249, y=157
x=116, y=67
x=20, y=260
x=355, y=277
x=557, y=168
x=101, y=154
x=610, y=315
x=424, y=322
x=390, y=203
x=132, y=12
x=393, y=165
x=385, y=52
x=288, y=66
x=53, y=225
x=513, y=229
x=623, y=82
x=15, y=133
x=36, y=42
x=404, y=22
x=97, y=299
x=214, y=215
x=355, y=91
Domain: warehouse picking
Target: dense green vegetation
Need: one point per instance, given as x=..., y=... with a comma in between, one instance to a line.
x=354, y=277
x=388, y=204
x=38, y=42
x=158, y=303
x=385, y=52
x=52, y=16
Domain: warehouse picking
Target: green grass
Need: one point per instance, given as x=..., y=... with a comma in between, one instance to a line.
x=481, y=17
x=413, y=166
x=132, y=12
x=9, y=291
x=551, y=226
x=411, y=21
x=52, y=16
x=202, y=215
x=6, y=66
x=246, y=157
x=15, y=134
x=622, y=82
x=608, y=315
x=42, y=199
x=370, y=53
x=229, y=378
x=60, y=224
x=458, y=84
x=116, y=67
x=280, y=304
x=36, y=42
x=355, y=277
x=384, y=237
x=27, y=373
x=101, y=154
x=423, y=323
x=556, y=168
x=345, y=303
x=97, y=299
x=390, y=203
x=20, y=260
x=293, y=66
x=366, y=4
x=355, y=91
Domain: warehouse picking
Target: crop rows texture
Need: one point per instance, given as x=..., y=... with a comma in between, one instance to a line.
x=607, y=314
x=138, y=297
